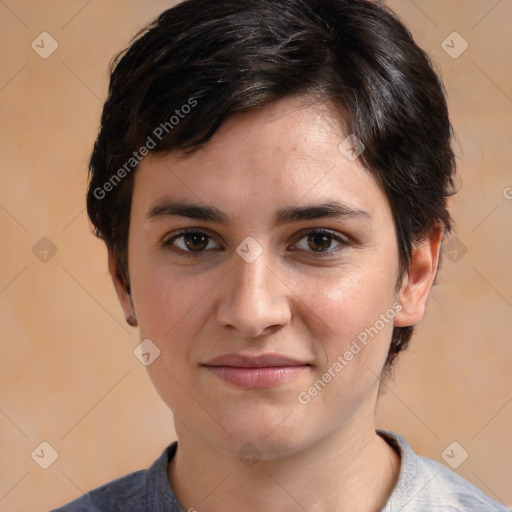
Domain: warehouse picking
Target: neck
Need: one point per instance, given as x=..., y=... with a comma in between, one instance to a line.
x=350, y=469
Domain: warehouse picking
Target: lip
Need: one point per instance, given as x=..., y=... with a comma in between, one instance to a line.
x=255, y=372
x=260, y=361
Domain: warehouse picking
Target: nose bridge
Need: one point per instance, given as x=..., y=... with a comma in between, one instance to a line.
x=254, y=279
x=253, y=301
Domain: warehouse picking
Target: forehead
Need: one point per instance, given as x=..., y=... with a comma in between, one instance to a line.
x=285, y=153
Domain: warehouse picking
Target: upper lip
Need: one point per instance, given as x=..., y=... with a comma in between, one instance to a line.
x=261, y=361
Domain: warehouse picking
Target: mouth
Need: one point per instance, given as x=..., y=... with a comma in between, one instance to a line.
x=255, y=372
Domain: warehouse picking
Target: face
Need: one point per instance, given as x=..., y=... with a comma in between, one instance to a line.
x=290, y=254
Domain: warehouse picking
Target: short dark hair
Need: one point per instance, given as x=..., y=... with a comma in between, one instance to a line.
x=203, y=60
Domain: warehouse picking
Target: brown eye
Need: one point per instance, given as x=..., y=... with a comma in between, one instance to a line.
x=192, y=241
x=195, y=241
x=320, y=241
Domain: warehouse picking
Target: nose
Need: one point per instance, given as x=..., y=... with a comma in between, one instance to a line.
x=254, y=301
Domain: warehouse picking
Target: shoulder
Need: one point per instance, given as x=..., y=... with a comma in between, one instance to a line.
x=130, y=489
x=425, y=484
x=140, y=491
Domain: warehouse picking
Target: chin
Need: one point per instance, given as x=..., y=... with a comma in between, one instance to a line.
x=267, y=439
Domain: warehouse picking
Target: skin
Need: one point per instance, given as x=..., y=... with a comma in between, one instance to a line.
x=293, y=300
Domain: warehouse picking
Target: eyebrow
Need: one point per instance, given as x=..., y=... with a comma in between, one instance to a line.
x=330, y=209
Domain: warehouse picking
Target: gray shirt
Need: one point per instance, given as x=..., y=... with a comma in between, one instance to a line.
x=423, y=485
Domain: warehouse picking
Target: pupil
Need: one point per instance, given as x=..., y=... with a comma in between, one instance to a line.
x=196, y=238
x=324, y=241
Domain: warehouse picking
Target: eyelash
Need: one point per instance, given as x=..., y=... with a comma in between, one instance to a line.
x=168, y=242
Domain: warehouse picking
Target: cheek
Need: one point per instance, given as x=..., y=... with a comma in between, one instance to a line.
x=356, y=323
x=354, y=332
x=164, y=296
x=331, y=304
x=171, y=314
x=351, y=301
x=176, y=311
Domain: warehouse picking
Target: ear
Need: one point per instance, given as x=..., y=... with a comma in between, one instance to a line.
x=121, y=291
x=417, y=284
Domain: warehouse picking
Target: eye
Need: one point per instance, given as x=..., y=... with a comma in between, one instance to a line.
x=193, y=242
x=320, y=240
x=190, y=241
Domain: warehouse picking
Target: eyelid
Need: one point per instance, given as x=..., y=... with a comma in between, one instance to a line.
x=316, y=230
x=167, y=240
x=343, y=240
x=335, y=235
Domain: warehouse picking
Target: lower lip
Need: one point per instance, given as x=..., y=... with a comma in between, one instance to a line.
x=256, y=378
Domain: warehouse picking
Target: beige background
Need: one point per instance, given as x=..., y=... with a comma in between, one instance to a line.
x=68, y=374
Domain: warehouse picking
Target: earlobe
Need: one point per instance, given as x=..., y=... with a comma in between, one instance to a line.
x=122, y=293
x=419, y=280
x=132, y=321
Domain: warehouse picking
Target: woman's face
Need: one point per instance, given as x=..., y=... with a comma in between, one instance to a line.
x=265, y=280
